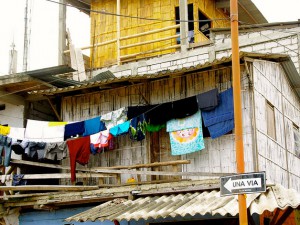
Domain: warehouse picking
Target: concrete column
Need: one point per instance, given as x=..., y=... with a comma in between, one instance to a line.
x=184, y=26
x=62, y=32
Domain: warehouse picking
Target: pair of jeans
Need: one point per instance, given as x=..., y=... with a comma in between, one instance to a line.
x=5, y=144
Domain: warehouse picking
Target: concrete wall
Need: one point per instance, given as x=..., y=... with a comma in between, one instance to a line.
x=276, y=40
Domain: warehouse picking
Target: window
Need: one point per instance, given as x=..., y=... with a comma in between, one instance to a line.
x=190, y=26
x=204, y=23
x=270, y=113
x=296, y=140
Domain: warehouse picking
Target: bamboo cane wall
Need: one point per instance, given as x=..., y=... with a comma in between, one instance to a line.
x=78, y=108
x=103, y=26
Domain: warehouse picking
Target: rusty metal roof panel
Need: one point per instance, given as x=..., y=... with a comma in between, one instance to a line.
x=191, y=203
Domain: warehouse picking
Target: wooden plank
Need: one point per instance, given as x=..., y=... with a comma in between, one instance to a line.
x=150, y=51
x=160, y=173
x=48, y=165
x=150, y=32
x=147, y=165
x=64, y=176
x=48, y=188
x=149, y=42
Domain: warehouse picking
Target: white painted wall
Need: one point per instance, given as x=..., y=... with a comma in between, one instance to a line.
x=276, y=157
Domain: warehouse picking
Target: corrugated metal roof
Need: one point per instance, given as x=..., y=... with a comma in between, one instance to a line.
x=102, y=76
x=202, y=203
x=159, y=74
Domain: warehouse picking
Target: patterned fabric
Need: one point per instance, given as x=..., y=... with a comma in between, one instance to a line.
x=186, y=135
x=114, y=118
x=185, y=123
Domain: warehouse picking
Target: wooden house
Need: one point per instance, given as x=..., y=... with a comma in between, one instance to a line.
x=136, y=62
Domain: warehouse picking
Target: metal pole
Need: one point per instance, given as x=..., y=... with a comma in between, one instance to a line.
x=237, y=105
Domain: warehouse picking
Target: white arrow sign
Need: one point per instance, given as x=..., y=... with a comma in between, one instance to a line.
x=242, y=184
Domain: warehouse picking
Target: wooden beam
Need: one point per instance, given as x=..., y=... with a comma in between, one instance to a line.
x=48, y=188
x=48, y=165
x=64, y=176
x=54, y=109
x=149, y=42
x=147, y=165
x=123, y=171
x=149, y=52
x=150, y=32
x=195, y=174
x=220, y=4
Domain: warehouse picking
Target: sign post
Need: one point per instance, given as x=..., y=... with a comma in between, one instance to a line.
x=243, y=183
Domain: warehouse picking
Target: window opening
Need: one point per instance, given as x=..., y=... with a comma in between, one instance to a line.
x=191, y=38
x=296, y=140
x=204, y=25
x=270, y=113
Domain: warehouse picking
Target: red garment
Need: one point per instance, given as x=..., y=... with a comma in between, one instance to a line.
x=79, y=151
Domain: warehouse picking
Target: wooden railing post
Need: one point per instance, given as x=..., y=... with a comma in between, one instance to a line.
x=118, y=32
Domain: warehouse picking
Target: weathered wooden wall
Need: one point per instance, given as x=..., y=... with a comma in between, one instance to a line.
x=218, y=156
x=103, y=26
x=277, y=157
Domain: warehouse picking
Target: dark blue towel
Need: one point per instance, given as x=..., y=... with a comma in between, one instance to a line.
x=220, y=120
x=219, y=129
x=224, y=111
x=93, y=126
x=73, y=129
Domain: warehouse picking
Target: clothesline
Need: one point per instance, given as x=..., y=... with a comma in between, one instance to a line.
x=53, y=140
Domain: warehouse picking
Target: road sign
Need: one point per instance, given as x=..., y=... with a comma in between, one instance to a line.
x=243, y=183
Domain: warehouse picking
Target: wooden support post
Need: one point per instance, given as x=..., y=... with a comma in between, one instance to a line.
x=118, y=32
x=175, y=169
x=118, y=178
x=157, y=176
x=139, y=177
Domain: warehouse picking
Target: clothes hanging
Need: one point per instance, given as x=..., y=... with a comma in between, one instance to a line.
x=186, y=134
x=4, y=130
x=184, y=107
x=35, y=149
x=99, y=141
x=208, y=100
x=56, y=151
x=159, y=114
x=5, y=147
x=40, y=131
x=79, y=151
x=220, y=120
x=74, y=129
x=17, y=133
x=114, y=118
x=19, y=146
x=137, y=130
x=120, y=129
x=93, y=126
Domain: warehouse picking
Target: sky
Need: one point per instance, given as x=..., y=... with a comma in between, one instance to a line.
x=43, y=50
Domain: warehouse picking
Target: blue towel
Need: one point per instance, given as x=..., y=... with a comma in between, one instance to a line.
x=224, y=111
x=93, y=126
x=120, y=129
x=219, y=129
x=220, y=120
